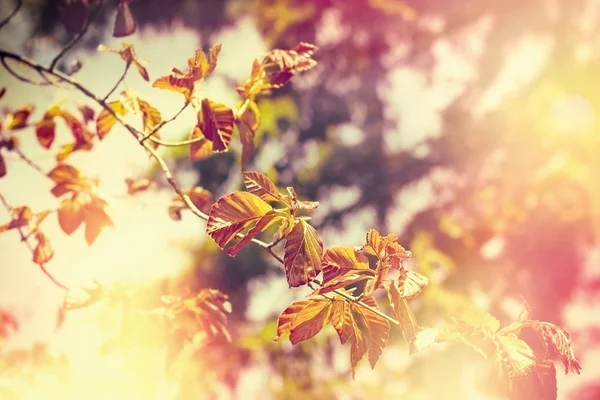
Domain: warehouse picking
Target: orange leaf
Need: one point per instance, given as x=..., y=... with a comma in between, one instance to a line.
x=150, y=115
x=198, y=68
x=247, y=124
x=358, y=348
x=287, y=317
x=262, y=224
x=260, y=185
x=402, y=312
x=70, y=214
x=127, y=53
x=43, y=251
x=311, y=319
x=138, y=185
x=106, y=120
x=343, y=266
x=95, y=219
x=342, y=320
x=302, y=254
x=201, y=149
x=232, y=213
x=378, y=328
x=216, y=123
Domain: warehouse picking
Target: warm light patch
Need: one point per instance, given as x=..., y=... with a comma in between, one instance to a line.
x=572, y=114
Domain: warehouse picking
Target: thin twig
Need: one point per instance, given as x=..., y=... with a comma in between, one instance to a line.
x=25, y=238
x=118, y=82
x=12, y=14
x=78, y=36
x=163, y=165
x=29, y=161
x=163, y=123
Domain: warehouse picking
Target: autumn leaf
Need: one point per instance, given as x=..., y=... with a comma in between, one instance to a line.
x=411, y=283
x=342, y=320
x=358, y=348
x=302, y=254
x=42, y=253
x=296, y=204
x=207, y=310
x=476, y=318
x=199, y=67
x=304, y=319
x=247, y=124
x=260, y=185
x=539, y=384
x=559, y=337
x=150, y=115
x=18, y=118
x=45, y=132
x=287, y=316
x=233, y=213
x=68, y=179
x=215, y=122
x=125, y=24
x=138, y=185
x=20, y=217
x=2, y=166
x=378, y=330
x=343, y=266
x=280, y=65
x=310, y=320
x=127, y=53
x=87, y=113
x=96, y=219
x=200, y=197
x=402, y=312
x=267, y=220
x=70, y=214
x=515, y=356
x=106, y=120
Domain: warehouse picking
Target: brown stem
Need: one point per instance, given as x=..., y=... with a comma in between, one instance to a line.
x=163, y=123
x=118, y=82
x=12, y=14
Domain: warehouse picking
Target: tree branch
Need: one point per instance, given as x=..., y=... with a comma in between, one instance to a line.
x=118, y=82
x=163, y=123
x=12, y=14
x=162, y=164
x=78, y=36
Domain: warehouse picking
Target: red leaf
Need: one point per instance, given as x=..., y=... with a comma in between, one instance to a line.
x=302, y=254
x=262, y=224
x=45, y=132
x=125, y=23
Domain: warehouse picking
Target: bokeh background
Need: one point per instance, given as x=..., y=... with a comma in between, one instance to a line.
x=470, y=129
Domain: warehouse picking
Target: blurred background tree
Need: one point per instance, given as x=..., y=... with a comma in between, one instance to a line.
x=467, y=128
